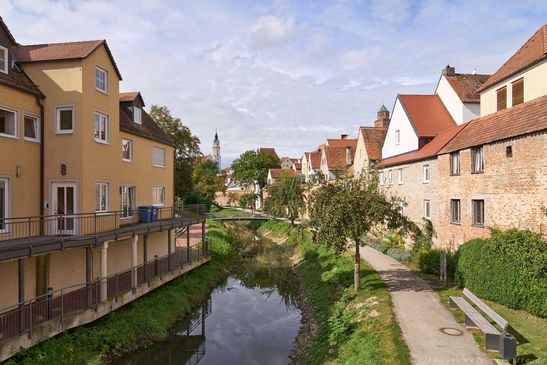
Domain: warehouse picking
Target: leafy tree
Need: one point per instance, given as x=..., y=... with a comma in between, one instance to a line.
x=252, y=166
x=286, y=198
x=232, y=198
x=247, y=201
x=186, y=148
x=345, y=211
x=207, y=181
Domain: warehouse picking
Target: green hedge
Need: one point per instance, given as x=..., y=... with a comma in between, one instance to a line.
x=399, y=254
x=509, y=267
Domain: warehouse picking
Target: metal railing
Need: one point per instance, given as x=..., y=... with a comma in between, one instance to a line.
x=26, y=316
x=84, y=224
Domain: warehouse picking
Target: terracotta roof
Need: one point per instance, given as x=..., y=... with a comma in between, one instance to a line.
x=428, y=151
x=276, y=173
x=347, y=142
x=427, y=114
x=7, y=31
x=336, y=157
x=524, y=118
x=148, y=129
x=531, y=52
x=131, y=96
x=466, y=86
x=315, y=159
x=268, y=150
x=374, y=139
x=62, y=51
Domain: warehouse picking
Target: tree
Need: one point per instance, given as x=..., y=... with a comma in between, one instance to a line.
x=207, y=181
x=344, y=211
x=252, y=166
x=186, y=148
x=232, y=198
x=247, y=200
x=286, y=198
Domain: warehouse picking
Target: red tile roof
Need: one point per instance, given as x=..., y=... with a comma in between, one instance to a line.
x=427, y=151
x=315, y=159
x=276, y=173
x=131, y=96
x=521, y=119
x=427, y=114
x=374, y=139
x=346, y=142
x=148, y=129
x=7, y=31
x=268, y=150
x=531, y=52
x=466, y=86
x=336, y=157
x=62, y=51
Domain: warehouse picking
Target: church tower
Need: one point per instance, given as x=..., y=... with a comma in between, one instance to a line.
x=216, y=150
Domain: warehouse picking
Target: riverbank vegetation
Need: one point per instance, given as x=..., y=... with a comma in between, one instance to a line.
x=141, y=322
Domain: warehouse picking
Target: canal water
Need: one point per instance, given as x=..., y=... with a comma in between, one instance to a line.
x=251, y=318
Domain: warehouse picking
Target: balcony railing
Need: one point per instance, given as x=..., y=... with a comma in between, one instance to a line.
x=82, y=224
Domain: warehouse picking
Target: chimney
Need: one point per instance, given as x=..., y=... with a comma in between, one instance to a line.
x=382, y=118
x=343, y=136
x=449, y=71
x=348, y=156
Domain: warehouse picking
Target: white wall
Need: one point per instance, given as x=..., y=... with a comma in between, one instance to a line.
x=460, y=112
x=409, y=138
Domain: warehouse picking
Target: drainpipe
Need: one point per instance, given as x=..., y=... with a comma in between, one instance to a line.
x=42, y=159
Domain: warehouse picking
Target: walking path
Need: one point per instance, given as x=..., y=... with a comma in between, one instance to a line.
x=421, y=316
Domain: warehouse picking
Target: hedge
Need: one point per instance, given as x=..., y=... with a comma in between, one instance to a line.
x=509, y=268
x=399, y=254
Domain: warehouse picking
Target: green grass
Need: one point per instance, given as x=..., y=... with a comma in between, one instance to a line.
x=529, y=330
x=229, y=212
x=141, y=322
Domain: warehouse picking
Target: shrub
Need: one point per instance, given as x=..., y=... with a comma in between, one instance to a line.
x=383, y=247
x=429, y=261
x=399, y=254
x=393, y=239
x=509, y=267
x=423, y=238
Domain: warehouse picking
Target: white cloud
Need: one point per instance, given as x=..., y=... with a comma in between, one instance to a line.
x=271, y=31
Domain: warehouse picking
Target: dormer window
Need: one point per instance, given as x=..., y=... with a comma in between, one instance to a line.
x=4, y=63
x=137, y=115
x=101, y=80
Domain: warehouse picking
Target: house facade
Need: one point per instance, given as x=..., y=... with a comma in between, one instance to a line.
x=370, y=141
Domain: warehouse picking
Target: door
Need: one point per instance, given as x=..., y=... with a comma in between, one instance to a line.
x=63, y=206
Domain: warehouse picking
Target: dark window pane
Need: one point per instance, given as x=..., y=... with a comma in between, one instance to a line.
x=65, y=117
x=30, y=127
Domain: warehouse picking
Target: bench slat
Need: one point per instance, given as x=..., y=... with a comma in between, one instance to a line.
x=474, y=316
x=486, y=309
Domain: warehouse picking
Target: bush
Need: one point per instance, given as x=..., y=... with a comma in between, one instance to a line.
x=399, y=254
x=383, y=247
x=393, y=239
x=423, y=238
x=509, y=267
x=429, y=261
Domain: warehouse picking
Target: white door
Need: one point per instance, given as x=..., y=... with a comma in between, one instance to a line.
x=63, y=205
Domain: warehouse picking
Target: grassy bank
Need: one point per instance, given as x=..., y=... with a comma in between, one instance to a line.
x=350, y=329
x=141, y=322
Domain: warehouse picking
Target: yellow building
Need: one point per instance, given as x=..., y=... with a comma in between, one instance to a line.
x=86, y=190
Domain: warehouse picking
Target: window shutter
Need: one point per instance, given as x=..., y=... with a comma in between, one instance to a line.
x=518, y=91
x=502, y=98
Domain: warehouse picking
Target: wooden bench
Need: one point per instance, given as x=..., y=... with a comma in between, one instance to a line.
x=484, y=308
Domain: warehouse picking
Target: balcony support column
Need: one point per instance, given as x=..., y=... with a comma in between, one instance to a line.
x=134, y=243
x=202, y=238
x=104, y=272
x=89, y=275
x=21, y=279
x=169, y=249
x=145, y=257
x=188, y=243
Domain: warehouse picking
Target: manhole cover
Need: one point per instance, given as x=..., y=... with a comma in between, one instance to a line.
x=451, y=331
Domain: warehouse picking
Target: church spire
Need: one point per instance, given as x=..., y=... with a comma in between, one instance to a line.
x=216, y=149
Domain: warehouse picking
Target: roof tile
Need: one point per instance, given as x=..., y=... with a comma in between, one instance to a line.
x=427, y=113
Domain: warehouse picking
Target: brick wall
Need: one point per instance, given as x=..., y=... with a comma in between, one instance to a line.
x=513, y=189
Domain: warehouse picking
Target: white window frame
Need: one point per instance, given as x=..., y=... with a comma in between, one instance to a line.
x=101, y=185
x=427, y=209
x=106, y=127
x=477, y=168
x=125, y=193
x=426, y=175
x=161, y=191
x=397, y=137
x=58, y=110
x=381, y=177
x=100, y=69
x=390, y=177
x=36, y=127
x=400, y=176
x=5, y=51
x=130, y=141
x=164, y=156
x=15, y=125
x=6, y=182
x=455, y=157
x=137, y=111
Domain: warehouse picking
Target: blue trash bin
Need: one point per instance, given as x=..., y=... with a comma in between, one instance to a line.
x=153, y=214
x=145, y=213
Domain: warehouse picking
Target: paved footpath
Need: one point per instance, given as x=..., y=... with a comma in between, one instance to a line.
x=421, y=316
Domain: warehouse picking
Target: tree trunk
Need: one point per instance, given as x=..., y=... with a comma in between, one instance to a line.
x=357, y=266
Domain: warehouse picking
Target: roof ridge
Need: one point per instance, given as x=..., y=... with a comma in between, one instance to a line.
x=61, y=43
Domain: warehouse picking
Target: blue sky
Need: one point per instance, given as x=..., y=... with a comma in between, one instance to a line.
x=284, y=74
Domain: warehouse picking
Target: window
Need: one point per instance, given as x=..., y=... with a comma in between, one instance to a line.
x=101, y=80
x=427, y=209
x=158, y=157
x=397, y=136
x=401, y=176
x=455, y=211
x=65, y=120
x=32, y=128
x=381, y=177
x=4, y=61
x=502, y=98
x=517, y=91
x=101, y=128
x=137, y=115
x=477, y=160
x=426, y=176
x=390, y=177
x=101, y=197
x=4, y=208
x=455, y=163
x=158, y=196
x=478, y=213
x=127, y=150
x=8, y=123
x=508, y=151
x=127, y=199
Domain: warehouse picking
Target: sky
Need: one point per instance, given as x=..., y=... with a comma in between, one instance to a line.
x=283, y=74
